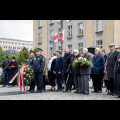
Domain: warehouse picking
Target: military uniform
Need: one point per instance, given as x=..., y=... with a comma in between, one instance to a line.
x=38, y=67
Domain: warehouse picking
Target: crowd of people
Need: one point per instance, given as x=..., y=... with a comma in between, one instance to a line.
x=61, y=73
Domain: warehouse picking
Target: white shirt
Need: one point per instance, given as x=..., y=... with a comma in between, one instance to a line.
x=50, y=62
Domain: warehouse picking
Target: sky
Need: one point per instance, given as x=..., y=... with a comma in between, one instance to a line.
x=17, y=29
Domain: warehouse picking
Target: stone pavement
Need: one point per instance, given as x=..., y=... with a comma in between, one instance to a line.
x=13, y=93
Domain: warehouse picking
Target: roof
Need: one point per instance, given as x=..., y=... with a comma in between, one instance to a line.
x=15, y=40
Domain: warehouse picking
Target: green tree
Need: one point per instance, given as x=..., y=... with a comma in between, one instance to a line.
x=23, y=56
x=35, y=51
x=1, y=56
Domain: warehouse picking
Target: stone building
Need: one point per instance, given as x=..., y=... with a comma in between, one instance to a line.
x=78, y=34
x=15, y=44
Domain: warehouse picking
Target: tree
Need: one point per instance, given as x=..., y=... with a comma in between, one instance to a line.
x=35, y=51
x=23, y=56
x=1, y=56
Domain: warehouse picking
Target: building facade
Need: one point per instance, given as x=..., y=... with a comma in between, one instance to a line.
x=78, y=34
x=40, y=35
x=15, y=44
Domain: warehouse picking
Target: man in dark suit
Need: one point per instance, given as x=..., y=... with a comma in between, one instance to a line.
x=58, y=71
x=111, y=60
x=66, y=63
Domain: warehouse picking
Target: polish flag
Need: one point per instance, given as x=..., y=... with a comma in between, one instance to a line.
x=62, y=36
x=55, y=38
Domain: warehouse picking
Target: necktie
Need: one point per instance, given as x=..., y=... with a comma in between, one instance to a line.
x=111, y=53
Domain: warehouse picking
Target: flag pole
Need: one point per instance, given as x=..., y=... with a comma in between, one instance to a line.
x=61, y=32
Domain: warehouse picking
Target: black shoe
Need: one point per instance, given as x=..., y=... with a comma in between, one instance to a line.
x=79, y=92
x=110, y=93
x=76, y=92
x=119, y=96
x=62, y=87
x=86, y=93
x=58, y=90
x=38, y=91
x=32, y=91
x=93, y=91
x=114, y=94
x=99, y=92
x=4, y=85
x=66, y=91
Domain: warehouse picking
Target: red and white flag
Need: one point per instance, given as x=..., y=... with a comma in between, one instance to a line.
x=55, y=38
x=62, y=36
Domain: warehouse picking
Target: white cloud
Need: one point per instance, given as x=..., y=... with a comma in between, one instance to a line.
x=17, y=29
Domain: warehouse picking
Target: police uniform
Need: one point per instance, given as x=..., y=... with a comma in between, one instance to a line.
x=30, y=60
x=38, y=66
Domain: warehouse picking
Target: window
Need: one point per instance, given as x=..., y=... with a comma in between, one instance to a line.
x=39, y=38
x=81, y=29
x=51, y=49
x=70, y=31
x=51, y=21
x=40, y=23
x=52, y=35
x=80, y=47
x=70, y=47
x=99, y=43
x=99, y=25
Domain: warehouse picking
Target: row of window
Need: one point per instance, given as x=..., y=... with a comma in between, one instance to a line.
x=15, y=48
x=99, y=27
x=15, y=43
x=80, y=46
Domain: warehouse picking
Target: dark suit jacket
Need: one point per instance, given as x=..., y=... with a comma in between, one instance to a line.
x=86, y=70
x=59, y=66
x=66, y=62
x=111, y=60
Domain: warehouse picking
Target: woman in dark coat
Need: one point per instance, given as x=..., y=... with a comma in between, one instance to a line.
x=13, y=70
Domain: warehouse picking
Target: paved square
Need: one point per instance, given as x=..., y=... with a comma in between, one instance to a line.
x=13, y=93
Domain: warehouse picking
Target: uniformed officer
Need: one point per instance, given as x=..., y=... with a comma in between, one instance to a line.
x=31, y=58
x=30, y=62
x=38, y=66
